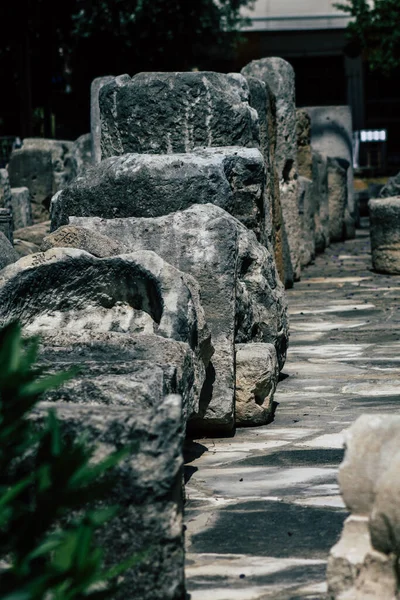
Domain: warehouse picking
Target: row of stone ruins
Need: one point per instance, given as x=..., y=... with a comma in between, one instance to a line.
x=175, y=227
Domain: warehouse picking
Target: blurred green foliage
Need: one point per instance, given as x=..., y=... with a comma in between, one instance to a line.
x=375, y=30
x=45, y=478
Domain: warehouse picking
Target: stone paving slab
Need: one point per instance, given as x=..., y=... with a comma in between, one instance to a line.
x=263, y=507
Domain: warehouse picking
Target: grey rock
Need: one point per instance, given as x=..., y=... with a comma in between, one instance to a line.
x=5, y=189
x=134, y=294
x=23, y=248
x=304, y=152
x=257, y=373
x=6, y=223
x=7, y=253
x=84, y=239
x=392, y=187
x=279, y=76
x=147, y=486
x=385, y=234
x=33, y=234
x=337, y=197
x=95, y=124
x=44, y=167
x=332, y=135
x=263, y=101
x=21, y=207
x=307, y=217
x=370, y=444
x=164, y=113
x=82, y=153
x=119, y=369
x=140, y=185
x=240, y=290
x=321, y=200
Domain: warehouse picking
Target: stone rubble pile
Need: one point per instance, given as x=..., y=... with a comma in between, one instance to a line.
x=363, y=565
x=175, y=227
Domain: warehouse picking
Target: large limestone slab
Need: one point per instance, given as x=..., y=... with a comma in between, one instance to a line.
x=163, y=113
x=44, y=167
x=144, y=185
x=82, y=153
x=241, y=294
x=279, y=76
x=385, y=234
x=70, y=290
x=147, y=488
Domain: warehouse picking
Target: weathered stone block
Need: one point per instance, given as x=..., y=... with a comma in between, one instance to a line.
x=95, y=123
x=163, y=113
x=321, y=200
x=5, y=189
x=332, y=136
x=143, y=185
x=263, y=100
x=279, y=76
x=307, y=217
x=304, y=152
x=33, y=234
x=257, y=373
x=240, y=290
x=44, y=167
x=147, y=487
x=7, y=253
x=392, y=188
x=72, y=290
x=82, y=153
x=21, y=207
x=6, y=223
x=84, y=239
x=385, y=234
x=337, y=197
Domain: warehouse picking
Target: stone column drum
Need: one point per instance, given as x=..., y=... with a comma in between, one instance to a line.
x=385, y=234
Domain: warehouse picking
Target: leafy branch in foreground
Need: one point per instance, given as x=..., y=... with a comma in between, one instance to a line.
x=44, y=478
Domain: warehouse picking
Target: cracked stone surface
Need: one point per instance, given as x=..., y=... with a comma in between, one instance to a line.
x=263, y=508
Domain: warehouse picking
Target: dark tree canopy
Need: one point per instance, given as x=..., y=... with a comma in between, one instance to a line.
x=52, y=49
x=376, y=31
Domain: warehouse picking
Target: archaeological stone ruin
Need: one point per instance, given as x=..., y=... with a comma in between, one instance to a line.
x=158, y=252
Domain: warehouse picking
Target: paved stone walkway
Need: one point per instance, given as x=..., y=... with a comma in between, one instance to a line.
x=263, y=508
